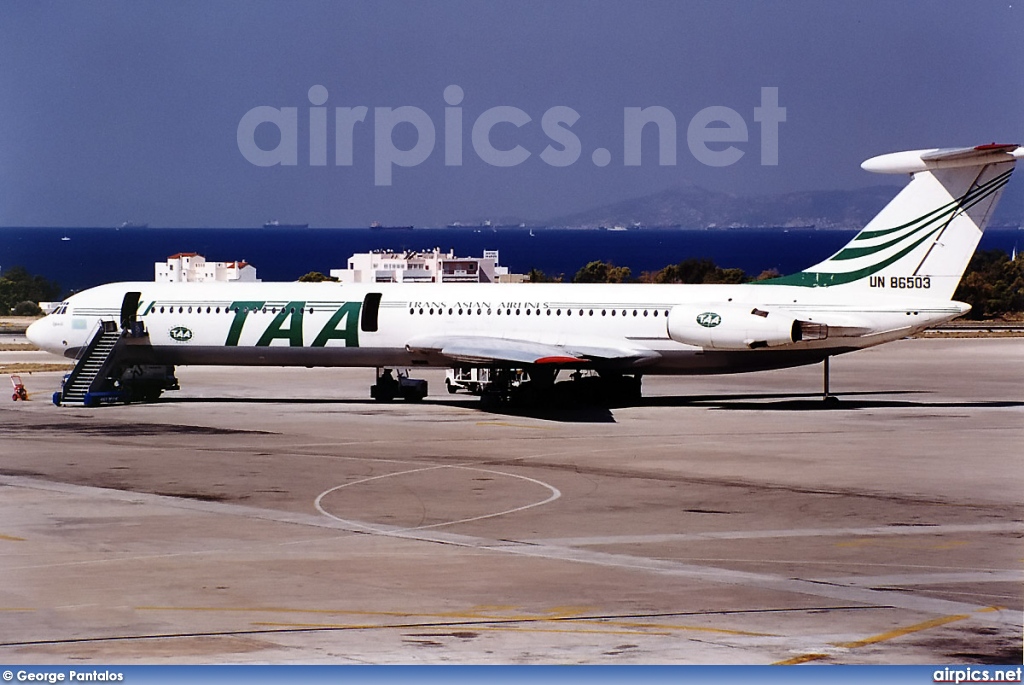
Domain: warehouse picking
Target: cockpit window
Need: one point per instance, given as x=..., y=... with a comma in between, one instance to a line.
x=61, y=309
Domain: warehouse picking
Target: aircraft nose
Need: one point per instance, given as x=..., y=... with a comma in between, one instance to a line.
x=32, y=332
x=37, y=333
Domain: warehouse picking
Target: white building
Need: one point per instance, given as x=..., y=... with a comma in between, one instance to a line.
x=189, y=267
x=385, y=266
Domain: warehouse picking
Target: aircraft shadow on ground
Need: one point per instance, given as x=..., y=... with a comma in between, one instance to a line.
x=560, y=414
x=564, y=414
x=266, y=400
x=579, y=413
x=848, y=401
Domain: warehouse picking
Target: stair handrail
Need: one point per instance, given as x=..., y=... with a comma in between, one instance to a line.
x=81, y=350
x=83, y=353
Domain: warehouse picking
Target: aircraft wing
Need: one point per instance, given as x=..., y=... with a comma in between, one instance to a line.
x=480, y=349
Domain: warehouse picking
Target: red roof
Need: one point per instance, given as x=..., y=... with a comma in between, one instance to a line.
x=183, y=254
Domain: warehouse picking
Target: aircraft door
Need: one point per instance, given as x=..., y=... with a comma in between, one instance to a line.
x=129, y=310
x=368, y=319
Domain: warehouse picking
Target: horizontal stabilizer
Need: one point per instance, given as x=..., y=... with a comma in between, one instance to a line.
x=913, y=161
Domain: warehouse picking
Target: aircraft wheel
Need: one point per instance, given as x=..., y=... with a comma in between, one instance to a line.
x=490, y=400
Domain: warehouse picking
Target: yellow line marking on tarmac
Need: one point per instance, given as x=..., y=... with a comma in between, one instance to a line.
x=567, y=615
x=641, y=629
x=671, y=626
x=481, y=615
x=509, y=424
x=581, y=631
x=900, y=632
x=802, y=659
x=888, y=635
x=563, y=612
x=444, y=631
x=11, y=538
x=902, y=544
x=349, y=612
x=337, y=626
x=15, y=609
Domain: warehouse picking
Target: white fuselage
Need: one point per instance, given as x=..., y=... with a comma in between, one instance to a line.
x=324, y=324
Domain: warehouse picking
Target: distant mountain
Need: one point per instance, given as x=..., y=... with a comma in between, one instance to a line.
x=691, y=206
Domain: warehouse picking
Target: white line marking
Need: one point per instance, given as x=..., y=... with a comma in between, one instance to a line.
x=702, y=574
x=928, y=579
x=555, y=494
x=1012, y=527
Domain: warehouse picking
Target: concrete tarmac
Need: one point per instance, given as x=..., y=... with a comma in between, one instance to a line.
x=279, y=515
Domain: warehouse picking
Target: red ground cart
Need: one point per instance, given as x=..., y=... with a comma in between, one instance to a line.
x=20, y=393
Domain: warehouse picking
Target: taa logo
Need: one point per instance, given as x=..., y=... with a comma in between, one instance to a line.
x=180, y=334
x=709, y=319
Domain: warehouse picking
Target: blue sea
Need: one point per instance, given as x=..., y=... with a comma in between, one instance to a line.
x=92, y=256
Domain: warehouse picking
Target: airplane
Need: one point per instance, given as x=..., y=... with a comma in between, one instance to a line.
x=896, y=277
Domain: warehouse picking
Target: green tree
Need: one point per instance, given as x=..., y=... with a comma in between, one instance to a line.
x=26, y=308
x=316, y=277
x=728, y=276
x=695, y=271
x=18, y=285
x=602, y=272
x=537, y=276
x=993, y=285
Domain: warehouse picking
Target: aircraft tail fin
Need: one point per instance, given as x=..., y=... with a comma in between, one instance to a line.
x=922, y=241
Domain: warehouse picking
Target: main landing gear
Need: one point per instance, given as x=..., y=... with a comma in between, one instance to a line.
x=537, y=386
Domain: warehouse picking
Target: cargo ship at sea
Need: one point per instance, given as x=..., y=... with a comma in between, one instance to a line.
x=475, y=226
x=277, y=224
x=378, y=226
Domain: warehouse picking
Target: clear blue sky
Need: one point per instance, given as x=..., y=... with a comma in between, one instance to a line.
x=114, y=111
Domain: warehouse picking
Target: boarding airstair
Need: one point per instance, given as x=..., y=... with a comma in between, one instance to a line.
x=117, y=365
x=88, y=376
